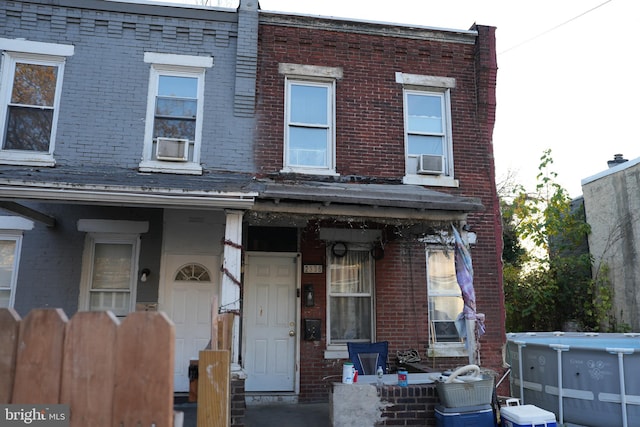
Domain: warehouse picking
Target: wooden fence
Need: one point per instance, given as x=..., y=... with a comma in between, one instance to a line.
x=109, y=372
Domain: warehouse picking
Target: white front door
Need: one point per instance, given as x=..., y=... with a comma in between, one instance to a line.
x=191, y=282
x=270, y=327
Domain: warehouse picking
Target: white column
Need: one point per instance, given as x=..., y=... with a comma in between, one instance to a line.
x=231, y=275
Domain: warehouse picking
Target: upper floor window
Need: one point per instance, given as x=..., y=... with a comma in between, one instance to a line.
x=427, y=124
x=11, y=229
x=426, y=130
x=350, y=294
x=30, y=88
x=309, y=138
x=173, y=132
x=309, y=145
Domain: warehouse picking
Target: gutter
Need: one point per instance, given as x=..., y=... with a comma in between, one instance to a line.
x=129, y=196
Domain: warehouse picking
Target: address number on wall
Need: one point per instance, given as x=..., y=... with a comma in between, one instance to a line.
x=312, y=268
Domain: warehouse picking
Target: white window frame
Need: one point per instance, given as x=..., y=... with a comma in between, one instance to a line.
x=12, y=228
x=435, y=348
x=318, y=76
x=339, y=350
x=109, y=231
x=24, y=51
x=182, y=66
x=414, y=84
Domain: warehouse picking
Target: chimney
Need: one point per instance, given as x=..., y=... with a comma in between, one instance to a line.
x=617, y=159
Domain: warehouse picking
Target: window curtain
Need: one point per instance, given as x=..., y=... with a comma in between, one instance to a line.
x=350, y=299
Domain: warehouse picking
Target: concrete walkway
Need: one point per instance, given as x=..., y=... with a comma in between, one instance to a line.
x=272, y=415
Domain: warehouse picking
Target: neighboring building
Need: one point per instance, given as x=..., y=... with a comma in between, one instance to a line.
x=127, y=133
x=612, y=206
x=306, y=171
x=372, y=141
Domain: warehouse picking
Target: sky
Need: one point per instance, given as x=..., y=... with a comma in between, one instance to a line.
x=568, y=75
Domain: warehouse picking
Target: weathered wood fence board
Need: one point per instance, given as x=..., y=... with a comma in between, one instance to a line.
x=9, y=331
x=39, y=357
x=88, y=368
x=214, y=409
x=225, y=331
x=213, y=388
x=109, y=372
x=144, y=370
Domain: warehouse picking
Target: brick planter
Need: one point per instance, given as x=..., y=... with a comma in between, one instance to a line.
x=409, y=406
x=387, y=405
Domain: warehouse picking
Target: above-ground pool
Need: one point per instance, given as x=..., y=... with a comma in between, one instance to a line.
x=584, y=378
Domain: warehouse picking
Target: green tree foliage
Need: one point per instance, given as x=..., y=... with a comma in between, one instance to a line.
x=549, y=283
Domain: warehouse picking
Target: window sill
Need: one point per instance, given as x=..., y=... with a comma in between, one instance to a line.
x=433, y=180
x=447, y=350
x=186, y=168
x=309, y=171
x=24, y=159
x=336, y=352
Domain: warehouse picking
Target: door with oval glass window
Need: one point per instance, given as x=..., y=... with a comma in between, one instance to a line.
x=191, y=282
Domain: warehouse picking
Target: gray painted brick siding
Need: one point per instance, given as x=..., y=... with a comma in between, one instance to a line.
x=102, y=115
x=105, y=86
x=51, y=259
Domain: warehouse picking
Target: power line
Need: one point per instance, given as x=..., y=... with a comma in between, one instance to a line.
x=554, y=28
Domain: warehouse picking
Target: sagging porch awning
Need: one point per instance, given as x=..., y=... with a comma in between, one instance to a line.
x=398, y=202
x=126, y=187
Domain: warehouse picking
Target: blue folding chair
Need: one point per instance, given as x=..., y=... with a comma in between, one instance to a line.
x=366, y=357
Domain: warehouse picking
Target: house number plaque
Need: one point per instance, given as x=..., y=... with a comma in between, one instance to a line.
x=312, y=268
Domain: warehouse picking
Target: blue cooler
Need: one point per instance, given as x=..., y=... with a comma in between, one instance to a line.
x=465, y=416
x=526, y=416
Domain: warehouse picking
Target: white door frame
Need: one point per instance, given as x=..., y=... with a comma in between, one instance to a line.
x=298, y=259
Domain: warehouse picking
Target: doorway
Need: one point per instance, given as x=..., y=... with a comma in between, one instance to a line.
x=270, y=322
x=190, y=286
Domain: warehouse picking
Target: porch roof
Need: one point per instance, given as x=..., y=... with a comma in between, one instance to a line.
x=121, y=186
x=367, y=200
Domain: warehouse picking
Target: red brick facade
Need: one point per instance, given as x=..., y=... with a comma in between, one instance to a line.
x=370, y=147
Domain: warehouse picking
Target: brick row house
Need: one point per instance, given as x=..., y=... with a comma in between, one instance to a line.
x=127, y=156
x=305, y=170
x=373, y=140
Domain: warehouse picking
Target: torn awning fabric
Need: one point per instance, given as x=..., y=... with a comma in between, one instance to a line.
x=464, y=275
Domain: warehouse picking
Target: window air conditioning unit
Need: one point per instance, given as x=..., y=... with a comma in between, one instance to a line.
x=430, y=164
x=172, y=149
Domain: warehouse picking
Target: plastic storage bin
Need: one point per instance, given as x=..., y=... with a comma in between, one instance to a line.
x=456, y=395
x=470, y=416
x=526, y=416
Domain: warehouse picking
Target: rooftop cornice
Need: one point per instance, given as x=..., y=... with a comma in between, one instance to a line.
x=138, y=7
x=373, y=28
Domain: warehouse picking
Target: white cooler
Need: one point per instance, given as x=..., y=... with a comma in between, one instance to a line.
x=526, y=416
